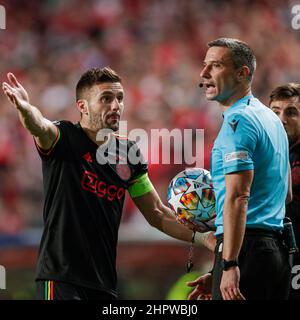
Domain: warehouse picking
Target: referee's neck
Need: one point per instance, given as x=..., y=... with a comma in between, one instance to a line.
x=236, y=96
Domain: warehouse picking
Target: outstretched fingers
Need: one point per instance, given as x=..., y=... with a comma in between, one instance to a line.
x=204, y=297
x=8, y=90
x=198, y=290
x=193, y=283
x=13, y=80
x=194, y=294
x=5, y=85
x=238, y=294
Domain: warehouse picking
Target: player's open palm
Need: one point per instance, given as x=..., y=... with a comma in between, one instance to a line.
x=202, y=289
x=15, y=92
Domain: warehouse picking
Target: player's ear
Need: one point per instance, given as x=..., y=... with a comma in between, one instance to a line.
x=243, y=73
x=82, y=106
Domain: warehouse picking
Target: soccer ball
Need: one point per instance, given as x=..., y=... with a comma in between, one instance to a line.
x=192, y=199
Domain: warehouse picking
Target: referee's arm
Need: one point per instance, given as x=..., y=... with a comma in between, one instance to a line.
x=238, y=186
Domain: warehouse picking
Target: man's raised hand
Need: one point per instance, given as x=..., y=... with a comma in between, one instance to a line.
x=15, y=92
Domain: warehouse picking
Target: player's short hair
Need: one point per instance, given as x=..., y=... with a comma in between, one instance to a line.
x=95, y=76
x=242, y=54
x=285, y=91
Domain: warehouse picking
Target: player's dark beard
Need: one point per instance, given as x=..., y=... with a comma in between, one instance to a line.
x=97, y=123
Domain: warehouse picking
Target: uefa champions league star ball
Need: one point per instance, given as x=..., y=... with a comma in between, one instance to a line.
x=192, y=199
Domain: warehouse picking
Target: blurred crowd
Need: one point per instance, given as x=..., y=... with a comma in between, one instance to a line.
x=157, y=46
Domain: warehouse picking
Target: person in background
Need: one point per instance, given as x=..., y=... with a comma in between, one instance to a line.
x=285, y=102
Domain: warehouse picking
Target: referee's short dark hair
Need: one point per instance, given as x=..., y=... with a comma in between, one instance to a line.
x=285, y=92
x=242, y=54
x=95, y=76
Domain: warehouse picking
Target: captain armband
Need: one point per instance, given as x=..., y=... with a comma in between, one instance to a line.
x=140, y=186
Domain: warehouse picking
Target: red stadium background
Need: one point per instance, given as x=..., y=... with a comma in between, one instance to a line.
x=157, y=47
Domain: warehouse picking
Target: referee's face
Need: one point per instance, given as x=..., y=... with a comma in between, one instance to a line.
x=218, y=75
x=105, y=106
x=288, y=110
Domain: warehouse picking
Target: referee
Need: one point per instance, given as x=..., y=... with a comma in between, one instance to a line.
x=83, y=198
x=285, y=102
x=249, y=167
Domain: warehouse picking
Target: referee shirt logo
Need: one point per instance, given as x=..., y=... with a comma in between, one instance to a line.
x=233, y=124
x=238, y=155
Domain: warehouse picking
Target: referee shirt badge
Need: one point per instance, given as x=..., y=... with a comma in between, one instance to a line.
x=238, y=155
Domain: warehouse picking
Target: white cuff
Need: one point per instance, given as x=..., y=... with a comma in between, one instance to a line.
x=201, y=238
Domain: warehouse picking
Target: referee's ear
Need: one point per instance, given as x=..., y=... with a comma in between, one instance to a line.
x=243, y=73
x=82, y=106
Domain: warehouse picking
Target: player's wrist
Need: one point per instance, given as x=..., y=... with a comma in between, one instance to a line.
x=24, y=108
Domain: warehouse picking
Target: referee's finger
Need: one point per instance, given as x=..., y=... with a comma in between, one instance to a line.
x=225, y=295
x=231, y=294
x=241, y=296
x=238, y=294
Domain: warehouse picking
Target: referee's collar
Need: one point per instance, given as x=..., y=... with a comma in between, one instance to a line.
x=244, y=100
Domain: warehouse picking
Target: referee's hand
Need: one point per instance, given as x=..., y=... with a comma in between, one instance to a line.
x=230, y=285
